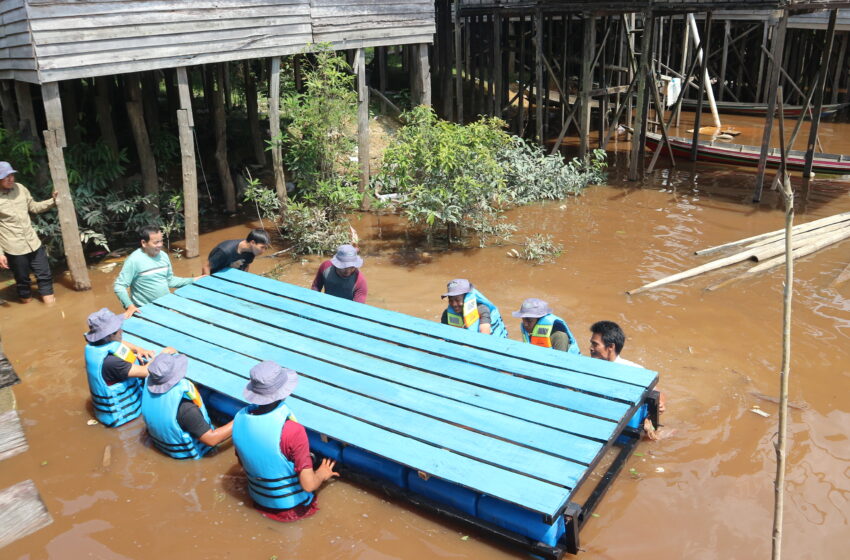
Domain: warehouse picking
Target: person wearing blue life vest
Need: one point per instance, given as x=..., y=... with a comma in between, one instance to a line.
x=114, y=369
x=606, y=342
x=274, y=450
x=542, y=328
x=177, y=420
x=469, y=309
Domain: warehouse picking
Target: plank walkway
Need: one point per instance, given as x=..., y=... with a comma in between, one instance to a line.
x=521, y=424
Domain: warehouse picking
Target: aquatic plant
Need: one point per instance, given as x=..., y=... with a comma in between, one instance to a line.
x=538, y=249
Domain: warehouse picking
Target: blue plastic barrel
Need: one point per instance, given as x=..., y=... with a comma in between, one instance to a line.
x=520, y=520
x=444, y=493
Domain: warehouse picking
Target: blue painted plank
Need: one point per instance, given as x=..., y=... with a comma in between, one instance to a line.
x=524, y=430
x=504, y=484
x=475, y=364
x=566, y=420
x=627, y=374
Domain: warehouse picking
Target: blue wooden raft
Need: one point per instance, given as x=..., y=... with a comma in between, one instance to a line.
x=490, y=431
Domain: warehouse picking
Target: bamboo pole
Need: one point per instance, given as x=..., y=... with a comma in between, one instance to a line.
x=842, y=277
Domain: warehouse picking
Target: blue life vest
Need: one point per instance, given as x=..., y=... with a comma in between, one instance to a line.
x=114, y=404
x=272, y=480
x=470, y=319
x=160, y=412
x=541, y=335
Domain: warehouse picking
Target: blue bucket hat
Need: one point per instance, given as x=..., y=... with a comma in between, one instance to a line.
x=270, y=382
x=533, y=307
x=165, y=371
x=102, y=323
x=346, y=256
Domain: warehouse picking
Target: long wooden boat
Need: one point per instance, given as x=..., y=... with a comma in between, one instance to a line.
x=760, y=109
x=748, y=156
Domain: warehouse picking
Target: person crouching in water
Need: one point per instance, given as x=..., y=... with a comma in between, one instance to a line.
x=273, y=447
x=114, y=369
x=469, y=309
x=177, y=419
x=543, y=328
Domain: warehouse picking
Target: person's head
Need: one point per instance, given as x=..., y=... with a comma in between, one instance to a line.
x=270, y=382
x=346, y=260
x=456, y=291
x=165, y=371
x=531, y=310
x=606, y=341
x=258, y=241
x=104, y=327
x=150, y=238
x=7, y=175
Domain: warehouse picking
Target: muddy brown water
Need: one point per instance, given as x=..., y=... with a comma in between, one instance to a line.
x=703, y=492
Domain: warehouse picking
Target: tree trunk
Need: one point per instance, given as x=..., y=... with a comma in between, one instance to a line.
x=253, y=113
x=28, y=127
x=362, y=126
x=54, y=140
x=103, y=107
x=185, y=123
x=274, y=129
x=220, y=130
x=150, y=99
x=136, y=113
x=71, y=112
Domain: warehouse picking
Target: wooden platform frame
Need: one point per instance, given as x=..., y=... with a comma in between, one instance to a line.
x=497, y=419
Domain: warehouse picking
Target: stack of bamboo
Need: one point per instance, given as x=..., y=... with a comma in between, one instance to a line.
x=768, y=249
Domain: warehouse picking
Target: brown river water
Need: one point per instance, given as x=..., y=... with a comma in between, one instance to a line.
x=705, y=491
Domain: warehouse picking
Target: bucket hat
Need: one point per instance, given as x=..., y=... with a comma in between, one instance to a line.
x=165, y=371
x=6, y=169
x=102, y=323
x=533, y=307
x=346, y=256
x=457, y=287
x=270, y=382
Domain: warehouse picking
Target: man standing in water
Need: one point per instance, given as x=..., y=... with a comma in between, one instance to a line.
x=273, y=447
x=237, y=253
x=543, y=328
x=20, y=248
x=146, y=273
x=469, y=309
x=341, y=276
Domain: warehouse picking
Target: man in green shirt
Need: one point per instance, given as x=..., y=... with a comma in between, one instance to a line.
x=146, y=273
x=20, y=248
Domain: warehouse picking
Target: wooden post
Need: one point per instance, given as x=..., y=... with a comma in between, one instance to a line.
x=458, y=63
x=103, y=107
x=839, y=68
x=274, y=130
x=54, y=141
x=821, y=83
x=26, y=113
x=253, y=113
x=636, y=160
x=776, y=49
x=723, y=57
x=538, y=75
x=420, y=75
x=185, y=129
x=220, y=129
x=362, y=126
x=705, y=82
x=135, y=110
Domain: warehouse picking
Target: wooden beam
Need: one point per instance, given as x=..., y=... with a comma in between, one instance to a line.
x=637, y=147
x=588, y=49
x=705, y=82
x=22, y=512
x=776, y=49
x=821, y=83
x=723, y=58
x=421, y=74
x=274, y=130
x=187, y=159
x=362, y=126
x=53, y=142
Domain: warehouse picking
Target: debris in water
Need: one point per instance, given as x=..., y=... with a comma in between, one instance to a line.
x=107, y=456
x=659, y=469
x=107, y=267
x=92, y=422
x=44, y=463
x=760, y=412
x=594, y=515
x=465, y=538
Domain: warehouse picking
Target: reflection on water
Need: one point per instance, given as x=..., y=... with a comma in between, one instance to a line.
x=715, y=352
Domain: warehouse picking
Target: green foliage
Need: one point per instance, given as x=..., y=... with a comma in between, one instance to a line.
x=265, y=201
x=309, y=229
x=538, y=249
x=166, y=150
x=20, y=153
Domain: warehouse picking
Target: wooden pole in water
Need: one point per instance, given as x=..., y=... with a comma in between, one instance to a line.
x=636, y=163
x=821, y=83
x=779, y=486
x=363, y=126
x=586, y=83
x=538, y=74
x=185, y=129
x=721, y=82
x=54, y=141
x=274, y=130
x=776, y=48
x=705, y=81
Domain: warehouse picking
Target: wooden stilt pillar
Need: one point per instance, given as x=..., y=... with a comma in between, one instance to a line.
x=760, y=77
x=274, y=130
x=776, y=49
x=362, y=126
x=723, y=57
x=705, y=83
x=636, y=162
x=103, y=107
x=588, y=52
x=538, y=75
x=821, y=83
x=839, y=68
x=185, y=131
x=251, y=107
x=458, y=63
x=135, y=110
x=220, y=129
x=26, y=113
x=54, y=141
x=420, y=75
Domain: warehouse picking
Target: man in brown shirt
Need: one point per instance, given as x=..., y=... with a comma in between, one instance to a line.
x=20, y=248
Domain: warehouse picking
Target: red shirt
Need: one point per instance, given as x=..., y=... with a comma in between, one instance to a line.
x=295, y=446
